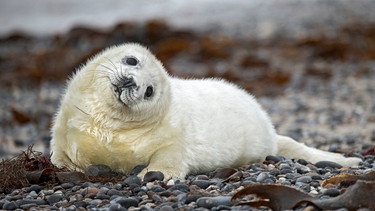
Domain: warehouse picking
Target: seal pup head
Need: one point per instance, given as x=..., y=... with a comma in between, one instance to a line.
x=129, y=79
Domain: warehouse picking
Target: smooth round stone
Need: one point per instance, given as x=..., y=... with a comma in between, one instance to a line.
x=333, y=192
x=152, y=176
x=262, y=176
x=305, y=187
x=10, y=205
x=98, y=170
x=228, y=187
x=67, y=185
x=32, y=195
x=180, y=187
x=157, y=188
x=133, y=180
x=304, y=179
x=286, y=171
x=80, y=204
x=202, y=183
x=54, y=198
x=273, y=158
x=117, y=207
x=113, y=192
x=125, y=202
x=95, y=202
x=324, y=164
x=302, y=161
x=35, y=188
x=210, y=202
x=192, y=198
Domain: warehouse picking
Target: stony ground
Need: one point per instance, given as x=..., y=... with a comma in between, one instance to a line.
x=318, y=88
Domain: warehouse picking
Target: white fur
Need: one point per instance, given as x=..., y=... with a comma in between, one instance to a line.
x=188, y=126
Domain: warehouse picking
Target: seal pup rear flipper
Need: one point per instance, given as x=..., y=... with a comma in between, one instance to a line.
x=290, y=148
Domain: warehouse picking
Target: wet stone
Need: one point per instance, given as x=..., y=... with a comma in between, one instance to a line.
x=10, y=205
x=304, y=179
x=54, y=198
x=116, y=207
x=157, y=188
x=273, y=158
x=35, y=188
x=262, y=176
x=132, y=180
x=114, y=192
x=125, y=202
x=98, y=170
x=324, y=164
x=202, y=183
x=192, y=198
x=152, y=176
x=180, y=187
x=333, y=192
x=210, y=202
x=67, y=185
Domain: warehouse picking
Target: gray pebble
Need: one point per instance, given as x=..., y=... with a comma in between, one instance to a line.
x=332, y=192
x=273, y=158
x=35, y=188
x=324, y=164
x=262, y=176
x=303, y=186
x=202, y=183
x=27, y=206
x=304, y=179
x=10, y=205
x=95, y=202
x=153, y=175
x=125, y=202
x=210, y=202
x=286, y=171
x=180, y=187
x=52, y=199
x=31, y=201
x=228, y=187
x=132, y=180
x=67, y=185
x=192, y=198
x=116, y=207
x=157, y=188
x=98, y=170
x=113, y=192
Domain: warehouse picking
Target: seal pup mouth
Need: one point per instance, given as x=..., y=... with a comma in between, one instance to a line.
x=133, y=83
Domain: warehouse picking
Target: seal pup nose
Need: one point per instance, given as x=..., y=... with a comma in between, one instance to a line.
x=127, y=82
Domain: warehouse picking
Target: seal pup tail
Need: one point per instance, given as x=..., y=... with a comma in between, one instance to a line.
x=289, y=148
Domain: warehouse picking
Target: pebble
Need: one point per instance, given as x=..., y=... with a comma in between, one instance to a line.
x=202, y=183
x=98, y=170
x=210, y=202
x=153, y=175
x=324, y=164
x=304, y=179
x=131, y=180
x=262, y=176
x=125, y=202
x=332, y=192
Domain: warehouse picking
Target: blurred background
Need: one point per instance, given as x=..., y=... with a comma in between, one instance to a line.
x=310, y=63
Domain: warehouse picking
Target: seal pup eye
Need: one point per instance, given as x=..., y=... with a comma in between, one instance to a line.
x=149, y=92
x=132, y=61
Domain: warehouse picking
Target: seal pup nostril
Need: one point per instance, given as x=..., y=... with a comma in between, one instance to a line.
x=127, y=82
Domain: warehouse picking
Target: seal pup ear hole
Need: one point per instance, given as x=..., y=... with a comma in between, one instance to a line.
x=149, y=92
x=130, y=60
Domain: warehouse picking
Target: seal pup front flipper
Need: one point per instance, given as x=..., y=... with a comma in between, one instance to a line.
x=290, y=148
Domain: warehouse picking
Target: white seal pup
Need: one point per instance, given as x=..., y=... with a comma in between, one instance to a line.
x=122, y=109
